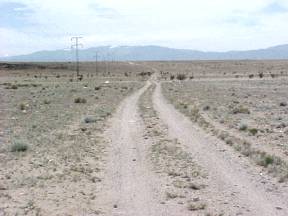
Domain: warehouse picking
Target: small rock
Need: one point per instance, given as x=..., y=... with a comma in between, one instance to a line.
x=194, y=186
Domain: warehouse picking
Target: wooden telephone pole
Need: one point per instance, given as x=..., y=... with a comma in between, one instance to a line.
x=76, y=46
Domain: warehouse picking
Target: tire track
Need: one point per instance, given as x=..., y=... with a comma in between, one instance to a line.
x=231, y=181
x=129, y=186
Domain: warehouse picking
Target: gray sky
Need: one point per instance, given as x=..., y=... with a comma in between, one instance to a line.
x=209, y=25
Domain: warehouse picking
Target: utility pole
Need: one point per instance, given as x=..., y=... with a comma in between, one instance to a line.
x=76, y=45
x=96, y=63
x=106, y=63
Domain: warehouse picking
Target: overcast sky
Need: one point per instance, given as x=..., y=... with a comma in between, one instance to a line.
x=209, y=25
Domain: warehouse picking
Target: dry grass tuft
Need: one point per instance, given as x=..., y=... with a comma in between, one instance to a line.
x=80, y=100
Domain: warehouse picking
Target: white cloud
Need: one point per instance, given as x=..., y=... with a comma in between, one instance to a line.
x=206, y=24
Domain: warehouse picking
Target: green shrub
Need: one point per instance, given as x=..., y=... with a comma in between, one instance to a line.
x=18, y=146
x=253, y=131
x=46, y=101
x=89, y=119
x=268, y=160
x=22, y=106
x=265, y=160
x=243, y=127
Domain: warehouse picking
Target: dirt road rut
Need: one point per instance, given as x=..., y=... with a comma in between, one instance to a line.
x=129, y=182
x=131, y=188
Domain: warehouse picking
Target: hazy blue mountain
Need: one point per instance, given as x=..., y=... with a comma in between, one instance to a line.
x=150, y=53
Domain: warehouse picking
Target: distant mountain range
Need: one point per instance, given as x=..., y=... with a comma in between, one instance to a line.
x=150, y=53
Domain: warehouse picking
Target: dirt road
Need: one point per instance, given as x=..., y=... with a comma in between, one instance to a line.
x=131, y=187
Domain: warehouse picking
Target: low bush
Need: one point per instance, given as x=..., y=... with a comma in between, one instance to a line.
x=243, y=127
x=181, y=76
x=265, y=160
x=46, y=101
x=196, y=206
x=206, y=108
x=241, y=109
x=90, y=119
x=14, y=87
x=22, y=106
x=261, y=75
x=18, y=146
x=80, y=100
x=253, y=131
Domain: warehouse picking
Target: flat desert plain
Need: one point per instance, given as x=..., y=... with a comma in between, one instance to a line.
x=144, y=138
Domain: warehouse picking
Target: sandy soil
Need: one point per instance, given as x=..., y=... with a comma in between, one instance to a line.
x=133, y=187
x=233, y=178
x=60, y=169
x=128, y=188
x=134, y=183
x=219, y=103
x=146, y=159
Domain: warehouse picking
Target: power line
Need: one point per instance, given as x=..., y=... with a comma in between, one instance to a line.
x=76, y=45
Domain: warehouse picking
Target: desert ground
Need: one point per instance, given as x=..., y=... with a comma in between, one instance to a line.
x=144, y=138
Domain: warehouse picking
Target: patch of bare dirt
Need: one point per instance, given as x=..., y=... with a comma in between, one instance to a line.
x=52, y=154
x=129, y=187
x=232, y=179
x=249, y=116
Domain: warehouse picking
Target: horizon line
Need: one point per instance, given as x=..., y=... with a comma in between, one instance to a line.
x=151, y=45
